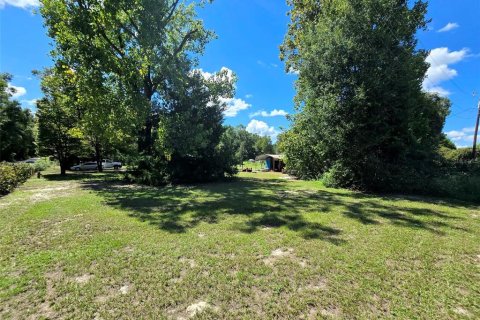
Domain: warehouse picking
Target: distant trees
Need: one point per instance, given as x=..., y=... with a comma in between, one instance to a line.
x=17, y=138
x=363, y=121
x=246, y=145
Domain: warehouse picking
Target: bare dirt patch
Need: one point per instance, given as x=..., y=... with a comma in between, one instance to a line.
x=83, y=278
x=199, y=307
x=44, y=194
x=191, y=311
x=45, y=309
x=462, y=311
x=189, y=262
x=317, y=285
x=113, y=292
x=331, y=312
x=124, y=289
x=277, y=255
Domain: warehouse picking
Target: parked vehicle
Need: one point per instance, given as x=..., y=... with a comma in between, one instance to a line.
x=85, y=166
x=31, y=160
x=106, y=164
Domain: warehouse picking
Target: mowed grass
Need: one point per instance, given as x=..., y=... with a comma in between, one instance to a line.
x=90, y=246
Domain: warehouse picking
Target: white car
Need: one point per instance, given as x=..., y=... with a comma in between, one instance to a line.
x=109, y=164
x=31, y=160
x=106, y=164
x=85, y=166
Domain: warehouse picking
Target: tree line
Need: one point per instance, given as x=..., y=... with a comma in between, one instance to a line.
x=126, y=78
x=124, y=82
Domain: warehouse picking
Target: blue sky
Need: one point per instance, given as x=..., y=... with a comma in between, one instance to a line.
x=249, y=35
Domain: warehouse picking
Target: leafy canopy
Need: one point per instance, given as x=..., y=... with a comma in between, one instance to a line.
x=363, y=118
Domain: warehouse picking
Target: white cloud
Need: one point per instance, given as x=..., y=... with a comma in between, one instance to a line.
x=30, y=103
x=438, y=90
x=261, y=128
x=439, y=71
x=224, y=70
x=233, y=106
x=449, y=26
x=293, y=72
x=462, y=137
x=273, y=113
x=24, y=4
x=15, y=91
x=249, y=96
x=267, y=65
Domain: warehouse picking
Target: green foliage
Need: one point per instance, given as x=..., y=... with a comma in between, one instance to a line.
x=13, y=174
x=148, y=46
x=458, y=175
x=458, y=185
x=16, y=126
x=134, y=72
x=445, y=142
x=41, y=164
x=189, y=132
x=456, y=155
x=58, y=117
x=363, y=118
x=246, y=145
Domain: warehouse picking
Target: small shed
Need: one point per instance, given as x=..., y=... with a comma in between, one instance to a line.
x=273, y=162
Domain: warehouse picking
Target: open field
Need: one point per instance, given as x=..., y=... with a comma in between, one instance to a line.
x=260, y=247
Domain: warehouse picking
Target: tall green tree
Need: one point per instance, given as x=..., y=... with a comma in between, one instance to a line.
x=363, y=118
x=263, y=145
x=17, y=141
x=150, y=45
x=106, y=122
x=190, y=127
x=58, y=117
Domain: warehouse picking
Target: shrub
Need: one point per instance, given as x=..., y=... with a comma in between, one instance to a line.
x=148, y=170
x=456, y=155
x=13, y=174
x=41, y=164
x=458, y=175
x=462, y=186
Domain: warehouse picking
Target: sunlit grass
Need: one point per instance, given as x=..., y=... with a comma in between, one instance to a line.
x=260, y=246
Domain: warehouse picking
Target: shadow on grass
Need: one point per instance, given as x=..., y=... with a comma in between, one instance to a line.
x=260, y=203
x=85, y=175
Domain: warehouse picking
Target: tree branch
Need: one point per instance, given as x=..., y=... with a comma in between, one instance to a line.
x=184, y=42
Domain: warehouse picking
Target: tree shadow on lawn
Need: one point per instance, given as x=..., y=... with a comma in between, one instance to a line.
x=85, y=175
x=263, y=203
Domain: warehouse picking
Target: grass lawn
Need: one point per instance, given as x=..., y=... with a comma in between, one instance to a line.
x=257, y=165
x=260, y=247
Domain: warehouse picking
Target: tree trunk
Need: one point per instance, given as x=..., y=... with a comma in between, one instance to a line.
x=63, y=167
x=145, y=141
x=98, y=156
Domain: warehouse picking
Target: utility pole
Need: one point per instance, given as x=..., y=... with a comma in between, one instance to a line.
x=474, y=154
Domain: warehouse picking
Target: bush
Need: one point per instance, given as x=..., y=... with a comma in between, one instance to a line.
x=13, y=174
x=462, y=186
x=148, y=170
x=456, y=155
x=458, y=175
x=41, y=164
